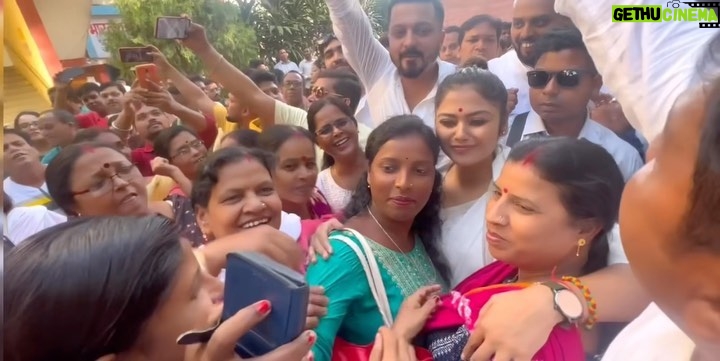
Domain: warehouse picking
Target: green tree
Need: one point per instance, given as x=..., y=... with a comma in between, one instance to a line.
x=296, y=25
x=222, y=20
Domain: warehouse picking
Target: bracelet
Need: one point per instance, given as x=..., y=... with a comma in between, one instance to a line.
x=114, y=127
x=591, y=303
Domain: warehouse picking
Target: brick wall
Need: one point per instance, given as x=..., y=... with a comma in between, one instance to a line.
x=457, y=11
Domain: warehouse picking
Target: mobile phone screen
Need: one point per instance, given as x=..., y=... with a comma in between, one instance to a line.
x=172, y=27
x=135, y=55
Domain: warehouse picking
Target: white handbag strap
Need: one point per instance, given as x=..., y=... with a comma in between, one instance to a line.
x=372, y=272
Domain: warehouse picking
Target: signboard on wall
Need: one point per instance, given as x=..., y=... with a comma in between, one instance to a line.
x=95, y=46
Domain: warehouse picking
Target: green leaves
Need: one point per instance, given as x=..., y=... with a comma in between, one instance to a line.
x=223, y=21
x=241, y=30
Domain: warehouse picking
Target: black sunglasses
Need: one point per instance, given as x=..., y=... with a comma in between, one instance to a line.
x=570, y=78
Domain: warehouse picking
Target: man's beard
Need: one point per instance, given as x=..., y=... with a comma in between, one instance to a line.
x=415, y=71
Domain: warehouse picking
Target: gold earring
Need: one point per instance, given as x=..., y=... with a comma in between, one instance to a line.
x=581, y=243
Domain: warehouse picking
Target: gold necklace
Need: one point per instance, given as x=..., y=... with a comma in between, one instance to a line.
x=434, y=278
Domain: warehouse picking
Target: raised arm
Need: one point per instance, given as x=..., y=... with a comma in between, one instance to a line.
x=646, y=65
x=231, y=78
x=362, y=51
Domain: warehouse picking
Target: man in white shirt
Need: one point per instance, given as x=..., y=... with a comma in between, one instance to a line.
x=668, y=215
x=25, y=184
x=284, y=62
x=306, y=66
x=404, y=79
x=531, y=20
x=561, y=84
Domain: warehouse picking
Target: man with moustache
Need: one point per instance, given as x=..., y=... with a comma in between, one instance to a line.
x=403, y=79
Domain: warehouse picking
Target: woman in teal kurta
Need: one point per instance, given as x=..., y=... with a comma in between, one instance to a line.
x=399, y=230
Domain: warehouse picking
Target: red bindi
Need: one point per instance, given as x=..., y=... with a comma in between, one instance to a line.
x=505, y=190
x=460, y=110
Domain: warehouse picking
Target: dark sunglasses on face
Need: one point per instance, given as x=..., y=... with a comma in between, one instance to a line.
x=339, y=124
x=570, y=78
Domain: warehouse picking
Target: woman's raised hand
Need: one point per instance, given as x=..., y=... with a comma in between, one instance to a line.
x=319, y=243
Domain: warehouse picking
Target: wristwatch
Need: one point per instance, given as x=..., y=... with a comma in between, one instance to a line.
x=566, y=302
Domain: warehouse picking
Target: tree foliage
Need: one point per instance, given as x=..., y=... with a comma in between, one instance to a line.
x=296, y=25
x=223, y=22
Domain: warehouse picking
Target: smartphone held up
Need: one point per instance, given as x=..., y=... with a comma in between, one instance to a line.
x=172, y=27
x=134, y=55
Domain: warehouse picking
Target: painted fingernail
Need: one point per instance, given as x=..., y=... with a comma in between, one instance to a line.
x=263, y=307
x=437, y=299
x=311, y=357
x=311, y=338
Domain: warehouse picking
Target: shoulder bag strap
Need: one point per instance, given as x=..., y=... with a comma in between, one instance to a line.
x=517, y=129
x=372, y=272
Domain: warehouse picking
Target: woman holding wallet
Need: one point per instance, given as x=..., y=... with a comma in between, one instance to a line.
x=140, y=288
x=393, y=215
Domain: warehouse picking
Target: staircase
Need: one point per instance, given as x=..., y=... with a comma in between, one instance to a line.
x=19, y=96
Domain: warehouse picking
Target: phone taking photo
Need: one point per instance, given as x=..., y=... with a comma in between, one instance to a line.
x=135, y=55
x=172, y=27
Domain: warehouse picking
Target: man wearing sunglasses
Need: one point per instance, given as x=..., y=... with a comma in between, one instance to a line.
x=561, y=85
x=531, y=20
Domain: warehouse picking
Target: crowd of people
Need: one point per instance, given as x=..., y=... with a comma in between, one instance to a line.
x=539, y=190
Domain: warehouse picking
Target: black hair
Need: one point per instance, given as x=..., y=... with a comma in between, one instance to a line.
x=324, y=42
x=209, y=174
x=161, y=143
x=244, y=137
x=483, y=82
x=62, y=116
x=255, y=63
x=16, y=122
x=561, y=39
x=258, y=77
x=437, y=6
x=427, y=223
x=506, y=25
x=589, y=181
x=700, y=224
x=294, y=72
x=209, y=81
x=58, y=173
x=116, y=271
x=88, y=88
x=315, y=107
x=279, y=75
x=347, y=84
x=476, y=20
x=271, y=139
x=453, y=29
x=19, y=133
x=91, y=134
x=111, y=84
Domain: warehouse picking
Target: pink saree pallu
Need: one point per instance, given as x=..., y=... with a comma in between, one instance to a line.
x=454, y=320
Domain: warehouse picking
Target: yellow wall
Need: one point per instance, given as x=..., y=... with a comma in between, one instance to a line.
x=23, y=50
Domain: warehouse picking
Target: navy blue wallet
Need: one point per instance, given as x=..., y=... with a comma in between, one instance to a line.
x=252, y=277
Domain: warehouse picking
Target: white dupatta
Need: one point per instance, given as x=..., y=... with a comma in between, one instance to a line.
x=463, y=240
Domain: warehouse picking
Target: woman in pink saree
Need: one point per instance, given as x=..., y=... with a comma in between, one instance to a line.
x=549, y=215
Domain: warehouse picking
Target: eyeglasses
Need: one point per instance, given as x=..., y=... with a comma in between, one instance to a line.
x=127, y=173
x=320, y=92
x=339, y=124
x=184, y=150
x=538, y=79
